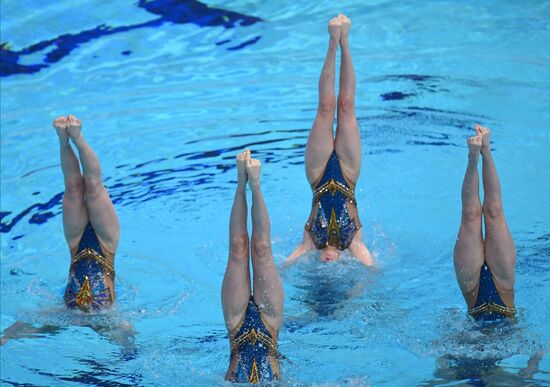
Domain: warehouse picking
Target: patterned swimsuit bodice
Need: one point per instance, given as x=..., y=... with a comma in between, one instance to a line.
x=331, y=223
x=253, y=345
x=86, y=289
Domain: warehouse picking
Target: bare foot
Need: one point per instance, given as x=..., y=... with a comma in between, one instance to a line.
x=334, y=29
x=60, y=124
x=485, y=134
x=241, y=166
x=346, y=25
x=253, y=168
x=74, y=127
x=474, y=146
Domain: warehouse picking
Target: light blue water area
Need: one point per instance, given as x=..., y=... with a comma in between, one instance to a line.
x=167, y=100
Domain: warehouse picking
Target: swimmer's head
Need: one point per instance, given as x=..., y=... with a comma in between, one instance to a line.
x=330, y=253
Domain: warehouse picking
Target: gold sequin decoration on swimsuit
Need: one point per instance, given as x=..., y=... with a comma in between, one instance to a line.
x=333, y=231
x=91, y=253
x=491, y=307
x=84, y=297
x=332, y=186
x=254, y=376
x=253, y=336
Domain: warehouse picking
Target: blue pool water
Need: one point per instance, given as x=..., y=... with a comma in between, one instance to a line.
x=170, y=91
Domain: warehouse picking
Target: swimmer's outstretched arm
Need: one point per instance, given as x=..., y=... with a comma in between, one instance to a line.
x=361, y=253
x=23, y=330
x=532, y=366
x=122, y=334
x=359, y=250
x=300, y=250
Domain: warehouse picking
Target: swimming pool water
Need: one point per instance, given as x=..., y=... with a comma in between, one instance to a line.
x=169, y=95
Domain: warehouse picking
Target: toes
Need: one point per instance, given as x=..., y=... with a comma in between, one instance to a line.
x=243, y=155
x=474, y=140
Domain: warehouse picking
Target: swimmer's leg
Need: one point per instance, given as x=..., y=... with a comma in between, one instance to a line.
x=468, y=252
x=98, y=203
x=348, y=140
x=500, y=251
x=320, y=142
x=236, y=281
x=75, y=215
x=268, y=291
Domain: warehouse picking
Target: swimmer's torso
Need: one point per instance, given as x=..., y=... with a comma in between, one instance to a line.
x=254, y=353
x=489, y=305
x=91, y=276
x=333, y=220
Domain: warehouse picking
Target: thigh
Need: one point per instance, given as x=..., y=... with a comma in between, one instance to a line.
x=75, y=217
x=348, y=147
x=469, y=256
x=268, y=290
x=103, y=218
x=235, y=290
x=320, y=145
x=500, y=251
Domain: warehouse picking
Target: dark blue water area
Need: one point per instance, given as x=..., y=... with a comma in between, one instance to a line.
x=169, y=11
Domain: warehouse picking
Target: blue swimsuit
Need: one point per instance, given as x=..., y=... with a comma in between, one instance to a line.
x=489, y=305
x=330, y=223
x=254, y=346
x=86, y=289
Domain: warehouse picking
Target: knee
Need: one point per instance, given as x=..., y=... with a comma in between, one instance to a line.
x=94, y=185
x=346, y=104
x=327, y=105
x=238, y=248
x=471, y=214
x=493, y=211
x=74, y=186
x=261, y=248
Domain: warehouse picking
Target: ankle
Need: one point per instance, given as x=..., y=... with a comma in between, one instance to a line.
x=254, y=185
x=344, y=42
x=78, y=141
x=473, y=157
x=64, y=142
x=486, y=151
